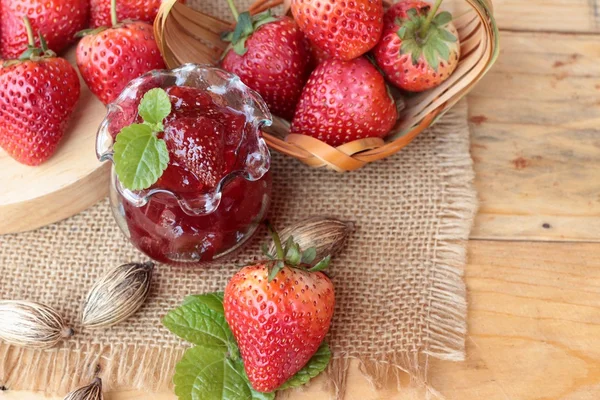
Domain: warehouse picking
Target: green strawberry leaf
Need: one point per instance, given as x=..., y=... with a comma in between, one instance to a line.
x=309, y=255
x=201, y=322
x=243, y=28
x=431, y=57
x=140, y=157
x=314, y=367
x=321, y=265
x=447, y=36
x=442, y=48
x=212, y=300
x=443, y=18
x=208, y=374
x=154, y=107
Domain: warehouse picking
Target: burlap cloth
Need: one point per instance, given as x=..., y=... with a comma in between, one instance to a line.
x=399, y=289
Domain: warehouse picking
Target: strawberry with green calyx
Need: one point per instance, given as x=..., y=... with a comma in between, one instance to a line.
x=110, y=57
x=270, y=55
x=38, y=94
x=279, y=312
x=419, y=48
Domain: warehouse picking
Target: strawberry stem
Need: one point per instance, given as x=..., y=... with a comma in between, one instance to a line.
x=276, y=241
x=234, y=10
x=113, y=12
x=425, y=28
x=29, y=30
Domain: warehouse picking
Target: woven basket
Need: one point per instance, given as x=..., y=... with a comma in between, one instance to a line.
x=185, y=35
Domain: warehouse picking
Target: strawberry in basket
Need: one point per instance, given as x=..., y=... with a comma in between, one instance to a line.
x=419, y=48
x=108, y=58
x=270, y=55
x=38, y=94
x=343, y=29
x=140, y=10
x=344, y=101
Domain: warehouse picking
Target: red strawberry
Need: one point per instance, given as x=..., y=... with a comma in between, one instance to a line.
x=197, y=143
x=108, y=58
x=141, y=10
x=344, y=101
x=344, y=29
x=57, y=20
x=419, y=49
x=37, y=97
x=271, y=56
x=279, y=314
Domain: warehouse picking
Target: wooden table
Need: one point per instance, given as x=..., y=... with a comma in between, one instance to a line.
x=534, y=258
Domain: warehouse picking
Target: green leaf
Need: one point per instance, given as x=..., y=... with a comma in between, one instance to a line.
x=412, y=13
x=447, y=36
x=442, y=48
x=154, y=107
x=431, y=57
x=402, y=32
x=240, y=46
x=443, y=18
x=321, y=265
x=140, y=158
x=208, y=374
x=201, y=322
x=314, y=367
x=214, y=300
x=309, y=255
x=243, y=28
x=275, y=270
x=263, y=19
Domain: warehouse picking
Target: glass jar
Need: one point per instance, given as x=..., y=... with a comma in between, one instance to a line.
x=176, y=227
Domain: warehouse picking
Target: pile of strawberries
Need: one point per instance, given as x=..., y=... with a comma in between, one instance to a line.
x=326, y=69
x=39, y=90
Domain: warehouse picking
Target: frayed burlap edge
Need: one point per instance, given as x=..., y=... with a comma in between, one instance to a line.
x=151, y=368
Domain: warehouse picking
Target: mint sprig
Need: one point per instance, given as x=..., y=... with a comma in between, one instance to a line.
x=213, y=369
x=140, y=157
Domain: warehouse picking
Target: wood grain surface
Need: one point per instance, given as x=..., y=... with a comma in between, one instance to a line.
x=534, y=292
x=70, y=181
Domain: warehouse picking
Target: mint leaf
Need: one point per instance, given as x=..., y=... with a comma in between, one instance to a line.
x=201, y=322
x=208, y=374
x=140, y=157
x=314, y=367
x=154, y=107
x=212, y=300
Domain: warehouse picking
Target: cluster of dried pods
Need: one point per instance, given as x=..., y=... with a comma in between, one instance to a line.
x=119, y=293
x=113, y=298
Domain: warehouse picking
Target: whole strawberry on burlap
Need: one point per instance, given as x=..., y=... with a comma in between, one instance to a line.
x=279, y=312
x=57, y=20
x=343, y=29
x=270, y=55
x=419, y=48
x=109, y=58
x=38, y=93
x=345, y=101
x=139, y=10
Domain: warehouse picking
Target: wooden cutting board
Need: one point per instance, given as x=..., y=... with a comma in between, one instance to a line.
x=71, y=181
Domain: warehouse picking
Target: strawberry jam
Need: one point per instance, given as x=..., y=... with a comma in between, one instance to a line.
x=209, y=146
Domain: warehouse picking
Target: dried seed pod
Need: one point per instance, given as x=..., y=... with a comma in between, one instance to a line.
x=326, y=234
x=91, y=392
x=31, y=324
x=117, y=295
